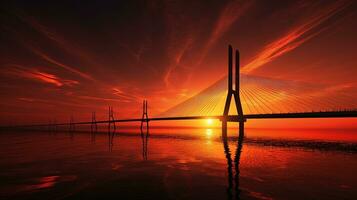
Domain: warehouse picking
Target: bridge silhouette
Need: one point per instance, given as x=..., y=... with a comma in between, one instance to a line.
x=264, y=101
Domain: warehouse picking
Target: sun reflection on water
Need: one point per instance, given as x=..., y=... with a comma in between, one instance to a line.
x=209, y=135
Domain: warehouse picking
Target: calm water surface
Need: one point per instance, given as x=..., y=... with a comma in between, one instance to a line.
x=179, y=164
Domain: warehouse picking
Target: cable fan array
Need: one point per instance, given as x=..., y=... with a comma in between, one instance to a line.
x=261, y=95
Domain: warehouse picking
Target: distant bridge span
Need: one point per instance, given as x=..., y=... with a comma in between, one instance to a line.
x=229, y=118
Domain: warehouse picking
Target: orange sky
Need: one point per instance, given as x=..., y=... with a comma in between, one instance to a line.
x=72, y=58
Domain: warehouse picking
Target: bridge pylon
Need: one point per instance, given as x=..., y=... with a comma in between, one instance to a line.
x=93, y=126
x=233, y=91
x=145, y=135
x=145, y=117
x=111, y=120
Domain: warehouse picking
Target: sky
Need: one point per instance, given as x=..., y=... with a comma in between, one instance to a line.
x=64, y=58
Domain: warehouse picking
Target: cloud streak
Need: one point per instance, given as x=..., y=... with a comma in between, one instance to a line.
x=54, y=37
x=230, y=13
x=64, y=66
x=58, y=39
x=39, y=76
x=177, y=57
x=126, y=95
x=296, y=36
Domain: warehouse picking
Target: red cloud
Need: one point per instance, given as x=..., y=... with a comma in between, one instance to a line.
x=295, y=37
x=71, y=69
x=229, y=15
x=39, y=76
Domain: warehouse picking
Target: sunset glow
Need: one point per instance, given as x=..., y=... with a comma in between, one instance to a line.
x=209, y=121
x=174, y=99
x=53, y=64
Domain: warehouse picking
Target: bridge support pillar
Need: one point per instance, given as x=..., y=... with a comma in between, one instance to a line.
x=93, y=126
x=145, y=117
x=111, y=121
x=145, y=134
x=241, y=129
x=233, y=92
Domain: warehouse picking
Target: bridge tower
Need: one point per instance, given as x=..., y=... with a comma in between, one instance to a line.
x=111, y=121
x=145, y=135
x=93, y=126
x=233, y=91
x=145, y=117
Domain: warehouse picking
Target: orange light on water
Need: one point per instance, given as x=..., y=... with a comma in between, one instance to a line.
x=209, y=133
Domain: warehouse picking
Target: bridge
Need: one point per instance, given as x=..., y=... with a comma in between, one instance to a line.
x=254, y=99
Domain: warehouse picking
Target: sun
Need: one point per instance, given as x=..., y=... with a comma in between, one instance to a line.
x=209, y=121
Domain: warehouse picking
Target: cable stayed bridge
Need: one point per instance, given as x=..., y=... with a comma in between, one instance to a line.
x=247, y=97
x=261, y=95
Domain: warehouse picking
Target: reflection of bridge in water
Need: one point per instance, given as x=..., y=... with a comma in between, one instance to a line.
x=257, y=102
x=233, y=171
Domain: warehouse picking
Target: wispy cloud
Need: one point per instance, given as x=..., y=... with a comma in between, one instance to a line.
x=229, y=15
x=182, y=43
x=26, y=99
x=296, y=36
x=59, y=64
x=97, y=98
x=58, y=39
x=39, y=76
x=124, y=95
x=177, y=57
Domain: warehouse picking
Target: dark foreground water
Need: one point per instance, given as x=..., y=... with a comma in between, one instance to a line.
x=179, y=164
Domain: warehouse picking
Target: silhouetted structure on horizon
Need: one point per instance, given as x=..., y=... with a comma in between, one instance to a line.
x=232, y=91
x=94, y=126
x=145, y=117
x=145, y=135
x=111, y=120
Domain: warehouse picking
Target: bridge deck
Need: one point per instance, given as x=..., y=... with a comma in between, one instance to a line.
x=231, y=118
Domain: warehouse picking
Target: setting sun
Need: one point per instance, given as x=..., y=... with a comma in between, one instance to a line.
x=209, y=121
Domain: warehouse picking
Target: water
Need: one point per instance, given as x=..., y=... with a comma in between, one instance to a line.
x=179, y=164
